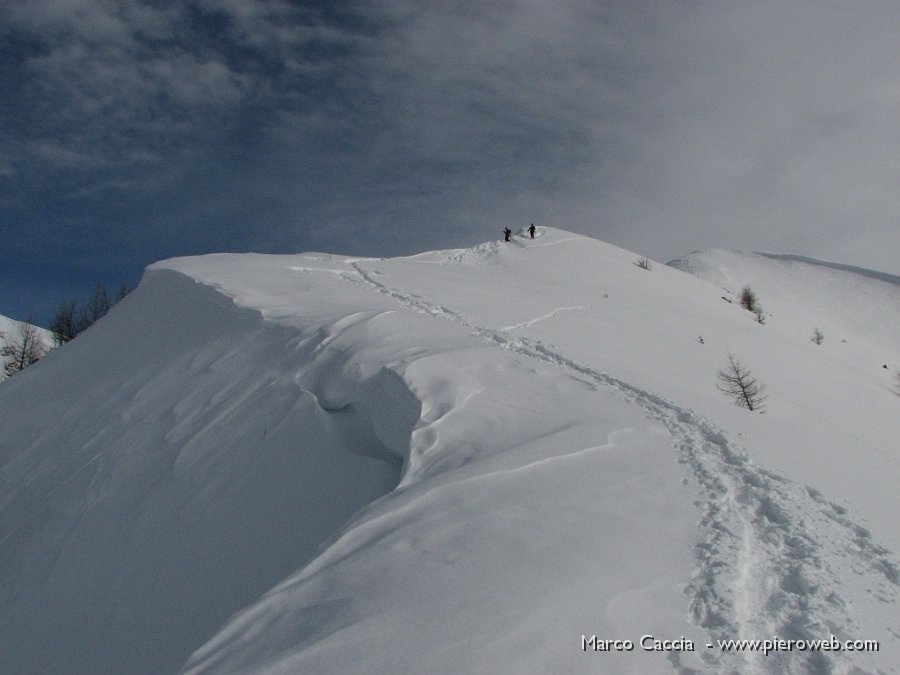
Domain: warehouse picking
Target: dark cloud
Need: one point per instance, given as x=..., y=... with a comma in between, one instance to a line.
x=134, y=130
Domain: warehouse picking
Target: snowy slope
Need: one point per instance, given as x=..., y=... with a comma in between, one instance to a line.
x=526, y=440
x=839, y=390
x=10, y=333
x=10, y=328
x=854, y=307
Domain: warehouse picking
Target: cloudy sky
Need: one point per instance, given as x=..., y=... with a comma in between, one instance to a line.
x=135, y=130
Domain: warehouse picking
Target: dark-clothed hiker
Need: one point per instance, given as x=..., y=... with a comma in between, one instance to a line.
x=506, y=234
x=531, y=230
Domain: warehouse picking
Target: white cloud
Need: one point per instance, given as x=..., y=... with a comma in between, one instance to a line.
x=661, y=126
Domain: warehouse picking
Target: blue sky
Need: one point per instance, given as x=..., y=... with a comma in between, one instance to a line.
x=132, y=131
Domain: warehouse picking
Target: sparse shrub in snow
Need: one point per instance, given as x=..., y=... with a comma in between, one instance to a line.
x=736, y=382
x=21, y=353
x=750, y=302
x=643, y=263
x=818, y=336
x=748, y=299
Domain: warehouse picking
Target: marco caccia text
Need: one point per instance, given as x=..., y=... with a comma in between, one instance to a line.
x=648, y=643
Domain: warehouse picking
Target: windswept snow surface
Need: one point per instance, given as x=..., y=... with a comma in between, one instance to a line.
x=461, y=461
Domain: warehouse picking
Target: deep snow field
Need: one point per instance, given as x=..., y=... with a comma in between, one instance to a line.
x=466, y=461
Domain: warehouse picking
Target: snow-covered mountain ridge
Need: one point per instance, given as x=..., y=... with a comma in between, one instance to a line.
x=527, y=440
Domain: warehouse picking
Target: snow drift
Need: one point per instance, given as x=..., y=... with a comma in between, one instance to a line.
x=462, y=461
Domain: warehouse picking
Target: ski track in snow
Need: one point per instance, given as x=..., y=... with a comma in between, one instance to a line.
x=549, y=315
x=766, y=565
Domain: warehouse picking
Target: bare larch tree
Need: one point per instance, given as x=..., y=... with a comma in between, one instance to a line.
x=21, y=353
x=736, y=382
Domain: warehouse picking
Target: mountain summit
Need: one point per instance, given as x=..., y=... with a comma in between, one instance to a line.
x=509, y=458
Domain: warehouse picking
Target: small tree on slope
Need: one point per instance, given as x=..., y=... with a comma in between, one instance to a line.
x=95, y=309
x=748, y=299
x=28, y=349
x=736, y=382
x=64, y=324
x=750, y=302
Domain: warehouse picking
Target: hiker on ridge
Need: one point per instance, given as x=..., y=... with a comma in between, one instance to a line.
x=531, y=230
x=506, y=233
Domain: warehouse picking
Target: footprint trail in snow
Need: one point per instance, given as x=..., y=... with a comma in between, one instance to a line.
x=776, y=555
